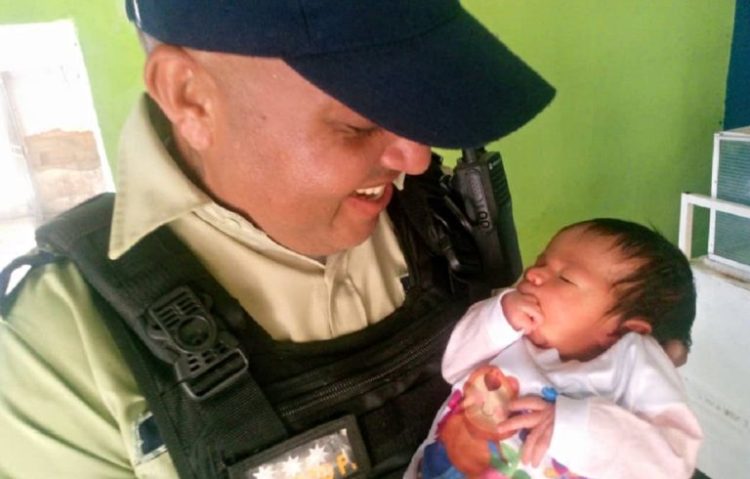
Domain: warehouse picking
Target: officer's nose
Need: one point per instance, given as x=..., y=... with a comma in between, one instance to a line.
x=405, y=155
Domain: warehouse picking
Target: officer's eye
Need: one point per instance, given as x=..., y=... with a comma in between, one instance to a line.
x=356, y=129
x=566, y=279
x=351, y=129
x=362, y=131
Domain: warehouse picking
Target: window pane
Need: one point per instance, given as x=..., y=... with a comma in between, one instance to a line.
x=732, y=237
x=16, y=195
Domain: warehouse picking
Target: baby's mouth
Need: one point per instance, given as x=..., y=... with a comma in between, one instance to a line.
x=523, y=287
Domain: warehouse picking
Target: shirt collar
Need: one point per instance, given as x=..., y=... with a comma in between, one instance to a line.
x=151, y=188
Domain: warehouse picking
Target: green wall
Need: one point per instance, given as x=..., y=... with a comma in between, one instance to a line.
x=641, y=87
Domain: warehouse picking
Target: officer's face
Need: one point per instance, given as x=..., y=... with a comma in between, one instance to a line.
x=310, y=172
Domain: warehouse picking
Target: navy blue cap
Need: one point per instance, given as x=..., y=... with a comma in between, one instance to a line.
x=423, y=69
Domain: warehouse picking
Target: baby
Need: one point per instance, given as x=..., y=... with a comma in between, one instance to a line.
x=564, y=376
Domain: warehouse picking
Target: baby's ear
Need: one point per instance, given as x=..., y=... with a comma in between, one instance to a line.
x=635, y=325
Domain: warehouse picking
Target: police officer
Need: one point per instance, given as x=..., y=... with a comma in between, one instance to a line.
x=272, y=138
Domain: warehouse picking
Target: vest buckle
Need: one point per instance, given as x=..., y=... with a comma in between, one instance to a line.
x=206, y=357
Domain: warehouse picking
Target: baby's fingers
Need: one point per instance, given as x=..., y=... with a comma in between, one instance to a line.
x=522, y=421
x=529, y=403
x=537, y=443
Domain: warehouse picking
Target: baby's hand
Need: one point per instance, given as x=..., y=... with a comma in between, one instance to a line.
x=522, y=311
x=537, y=415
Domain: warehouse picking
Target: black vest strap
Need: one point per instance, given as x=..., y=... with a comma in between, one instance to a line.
x=33, y=259
x=165, y=318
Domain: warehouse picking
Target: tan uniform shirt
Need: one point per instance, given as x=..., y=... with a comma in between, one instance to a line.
x=69, y=406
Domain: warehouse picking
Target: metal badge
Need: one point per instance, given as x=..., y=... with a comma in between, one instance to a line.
x=333, y=450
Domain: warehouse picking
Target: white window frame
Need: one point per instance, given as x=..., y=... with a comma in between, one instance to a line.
x=714, y=205
x=49, y=44
x=37, y=46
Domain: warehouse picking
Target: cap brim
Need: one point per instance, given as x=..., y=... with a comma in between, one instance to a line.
x=456, y=86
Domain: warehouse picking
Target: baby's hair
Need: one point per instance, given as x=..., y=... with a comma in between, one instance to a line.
x=660, y=289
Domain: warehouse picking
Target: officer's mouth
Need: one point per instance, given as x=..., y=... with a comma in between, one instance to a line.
x=372, y=194
x=371, y=201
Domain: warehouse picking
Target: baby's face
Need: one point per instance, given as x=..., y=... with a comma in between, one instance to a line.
x=573, y=281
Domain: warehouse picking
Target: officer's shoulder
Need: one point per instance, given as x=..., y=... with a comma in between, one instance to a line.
x=45, y=296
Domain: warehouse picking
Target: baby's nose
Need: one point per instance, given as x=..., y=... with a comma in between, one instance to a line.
x=535, y=275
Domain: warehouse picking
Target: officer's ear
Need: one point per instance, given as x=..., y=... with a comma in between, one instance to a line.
x=184, y=91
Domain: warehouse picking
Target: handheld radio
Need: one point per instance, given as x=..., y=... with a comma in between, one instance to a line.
x=479, y=178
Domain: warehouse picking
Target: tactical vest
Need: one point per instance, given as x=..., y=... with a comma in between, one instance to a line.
x=231, y=402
